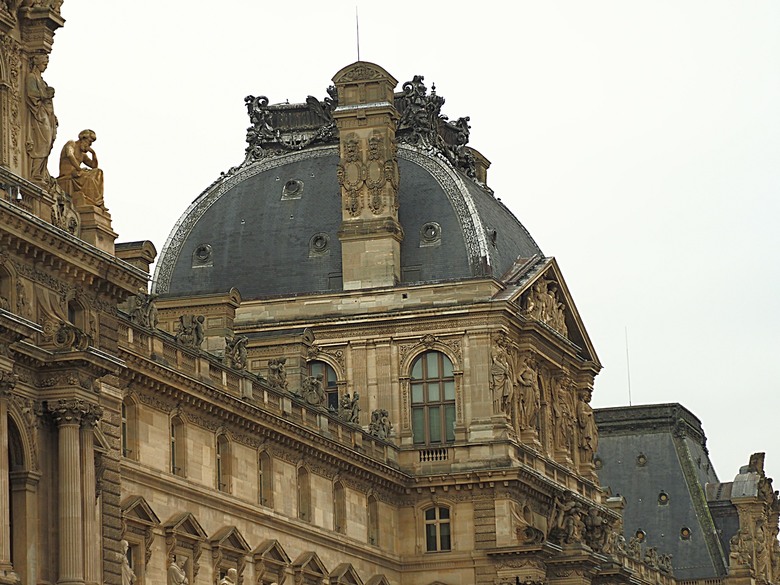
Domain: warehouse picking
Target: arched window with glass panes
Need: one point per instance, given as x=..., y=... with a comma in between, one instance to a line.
x=433, y=399
x=329, y=382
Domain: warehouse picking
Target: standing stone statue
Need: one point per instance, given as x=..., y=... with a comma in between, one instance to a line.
x=235, y=352
x=143, y=311
x=277, y=377
x=349, y=409
x=312, y=391
x=42, y=128
x=380, y=425
x=85, y=185
x=176, y=573
x=189, y=331
x=589, y=437
x=501, y=377
x=128, y=577
x=529, y=394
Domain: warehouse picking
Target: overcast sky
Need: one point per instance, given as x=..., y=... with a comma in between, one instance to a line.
x=639, y=143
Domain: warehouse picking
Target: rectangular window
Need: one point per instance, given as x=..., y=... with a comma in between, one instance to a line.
x=430, y=538
x=449, y=390
x=449, y=421
x=432, y=361
x=418, y=425
x=434, y=424
x=417, y=393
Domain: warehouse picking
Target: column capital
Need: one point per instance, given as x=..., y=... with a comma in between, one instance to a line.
x=74, y=411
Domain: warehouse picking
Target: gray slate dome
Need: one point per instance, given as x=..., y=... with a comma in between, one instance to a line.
x=270, y=226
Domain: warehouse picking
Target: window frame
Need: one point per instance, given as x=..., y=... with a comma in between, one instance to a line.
x=428, y=410
x=437, y=523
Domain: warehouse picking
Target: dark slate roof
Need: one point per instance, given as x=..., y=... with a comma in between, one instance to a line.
x=647, y=451
x=250, y=232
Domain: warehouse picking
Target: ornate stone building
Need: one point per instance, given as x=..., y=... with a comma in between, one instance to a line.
x=355, y=366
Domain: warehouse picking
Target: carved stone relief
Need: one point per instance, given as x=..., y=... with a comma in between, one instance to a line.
x=542, y=303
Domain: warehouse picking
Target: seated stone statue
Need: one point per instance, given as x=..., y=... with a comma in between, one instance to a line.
x=83, y=183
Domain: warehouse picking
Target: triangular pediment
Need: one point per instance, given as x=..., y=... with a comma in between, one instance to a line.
x=230, y=538
x=138, y=509
x=345, y=574
x=378, y=580
x=185, y=524
x=310, y=563
x=271, y=551
x=537, y=287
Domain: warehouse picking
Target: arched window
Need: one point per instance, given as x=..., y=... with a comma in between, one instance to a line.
x=223, y=463
x=265, y=479
x=178, y=447
x=437, y=529
x=339, y=508
x=329, y=382
x=433, y=399
x=304, y=495
x=129, y=429
x=373, y=520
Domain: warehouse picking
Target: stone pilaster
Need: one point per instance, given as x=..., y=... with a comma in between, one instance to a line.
x=7, y=573
x=68, y=414
x=91, y=525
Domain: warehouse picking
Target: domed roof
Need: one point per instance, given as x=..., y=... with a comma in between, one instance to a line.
x=270, y=226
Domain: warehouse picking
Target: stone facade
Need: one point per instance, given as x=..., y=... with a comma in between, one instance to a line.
x=194, y=439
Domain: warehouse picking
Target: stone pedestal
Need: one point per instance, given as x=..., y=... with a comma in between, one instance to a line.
x=96, y=227
x=739, y=576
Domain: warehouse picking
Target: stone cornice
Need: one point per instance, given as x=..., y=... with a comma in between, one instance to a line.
x=72, y=258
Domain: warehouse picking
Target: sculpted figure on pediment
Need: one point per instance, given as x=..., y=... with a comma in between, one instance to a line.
x=501, y=378
x=543, y=305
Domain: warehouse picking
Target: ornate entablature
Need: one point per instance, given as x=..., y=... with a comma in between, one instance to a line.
x=281, y=128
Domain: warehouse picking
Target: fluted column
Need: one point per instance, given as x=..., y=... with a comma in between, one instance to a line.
x=7, y=574
x=68, y=415
x=91, y=528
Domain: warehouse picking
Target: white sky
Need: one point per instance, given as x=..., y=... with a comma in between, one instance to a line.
x=639, y=142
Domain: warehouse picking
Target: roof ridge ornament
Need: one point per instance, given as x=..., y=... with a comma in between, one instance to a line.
x=422, y=125
x=281, y=128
